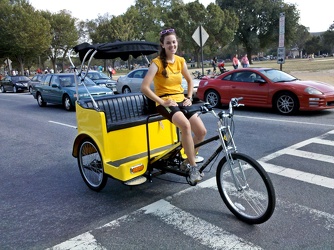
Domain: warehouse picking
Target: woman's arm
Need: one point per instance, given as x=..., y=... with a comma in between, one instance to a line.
x=148, y=79
x=189, y=80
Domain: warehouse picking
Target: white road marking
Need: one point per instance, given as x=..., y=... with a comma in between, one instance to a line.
x=63, y=124
x=84, y=241
x=297, y=174
x=200, y=230
x=286, y=121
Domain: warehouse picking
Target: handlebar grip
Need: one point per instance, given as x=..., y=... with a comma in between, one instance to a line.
x=196, y=108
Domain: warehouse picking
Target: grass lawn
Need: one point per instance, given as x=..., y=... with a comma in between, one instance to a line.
x=318, y=69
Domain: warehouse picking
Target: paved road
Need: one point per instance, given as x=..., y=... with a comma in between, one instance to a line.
x=45, y=203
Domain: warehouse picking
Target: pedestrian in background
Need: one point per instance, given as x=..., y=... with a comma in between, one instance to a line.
x=245, y=61
x=235, y=61
x=214, y=64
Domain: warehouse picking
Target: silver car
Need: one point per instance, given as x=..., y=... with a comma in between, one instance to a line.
x=133, y=80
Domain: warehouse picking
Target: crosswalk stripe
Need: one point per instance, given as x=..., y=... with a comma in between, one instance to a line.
x=83, y=241
x=323, y=141
x=310, y=155
x=299, y=175
x=295, y=151
x=200, y=230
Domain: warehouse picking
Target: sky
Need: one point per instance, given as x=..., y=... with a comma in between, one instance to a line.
x=317, y=16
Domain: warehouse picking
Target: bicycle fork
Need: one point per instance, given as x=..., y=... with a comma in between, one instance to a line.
x=230, y=148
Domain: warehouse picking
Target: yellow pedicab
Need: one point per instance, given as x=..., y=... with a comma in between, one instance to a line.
x=121, y=136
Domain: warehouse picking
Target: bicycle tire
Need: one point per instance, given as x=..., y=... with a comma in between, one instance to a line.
x=254, y=204
x=91, y=165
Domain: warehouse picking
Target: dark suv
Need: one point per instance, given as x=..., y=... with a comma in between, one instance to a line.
x=14, y=83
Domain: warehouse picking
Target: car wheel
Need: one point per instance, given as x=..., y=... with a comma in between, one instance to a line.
x=14, y=89
x=126, y=90
x=213, y=98
x=40, y=101
x=286, y=103
x=2, y=89
x=30, y=90
x=67, y=103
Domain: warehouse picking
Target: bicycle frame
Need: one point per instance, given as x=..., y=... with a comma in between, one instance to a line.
x=227, y=145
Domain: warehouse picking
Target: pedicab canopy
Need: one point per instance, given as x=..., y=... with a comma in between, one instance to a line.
x=116, y=49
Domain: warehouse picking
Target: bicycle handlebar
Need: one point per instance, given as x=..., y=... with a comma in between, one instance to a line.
x=206, y=107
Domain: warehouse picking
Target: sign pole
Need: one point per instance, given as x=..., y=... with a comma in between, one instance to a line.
x=281, y=48
x=201, y=45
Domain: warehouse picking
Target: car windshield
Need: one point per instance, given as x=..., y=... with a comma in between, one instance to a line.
x=278, y=76
x=68, y=81
x=22, y=78
x=97, y=75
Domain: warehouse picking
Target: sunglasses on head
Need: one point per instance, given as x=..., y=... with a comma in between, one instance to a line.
x=166, y=31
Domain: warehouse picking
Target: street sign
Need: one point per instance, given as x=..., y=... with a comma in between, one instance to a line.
x=200, y=36
x=281, y=55
x=281, y=30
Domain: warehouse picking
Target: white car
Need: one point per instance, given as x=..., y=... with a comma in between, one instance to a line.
x=132, y=81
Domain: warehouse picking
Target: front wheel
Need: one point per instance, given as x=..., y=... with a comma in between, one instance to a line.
x=287, y=104
x=2, y=89
x=91, y=165
x=246, y=189
x=67, y=103
x=213, y=98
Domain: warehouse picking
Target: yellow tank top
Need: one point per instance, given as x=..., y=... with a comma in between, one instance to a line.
x=169, y=88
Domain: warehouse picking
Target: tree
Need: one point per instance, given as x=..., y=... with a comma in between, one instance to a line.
x=259, y=22
x=146, y=18
x=313, y=46
x=328, y=39
x=219, y=24
x=302, y=36
x=64, y=35
x=24, y=32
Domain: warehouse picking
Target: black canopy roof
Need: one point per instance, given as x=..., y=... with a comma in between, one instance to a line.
x=117, y=49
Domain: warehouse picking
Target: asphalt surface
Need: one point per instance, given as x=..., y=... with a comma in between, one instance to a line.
x=44, y=202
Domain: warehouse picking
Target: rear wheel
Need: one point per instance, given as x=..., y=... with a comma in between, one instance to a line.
x=248, y=192
x=91, y=165
x=213, y=98
x=40, y=101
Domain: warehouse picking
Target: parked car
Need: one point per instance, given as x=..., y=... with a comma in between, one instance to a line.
x=36, y=79
x=185, y=87
x=14, y=83
x=61, y=89
x=102, y=79
x=133, y=80
x=268, y=88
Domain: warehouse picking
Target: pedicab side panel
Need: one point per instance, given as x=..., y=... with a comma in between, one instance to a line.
x=123, y=149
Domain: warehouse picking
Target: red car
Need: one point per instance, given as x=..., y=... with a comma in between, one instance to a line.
x=266, y=87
